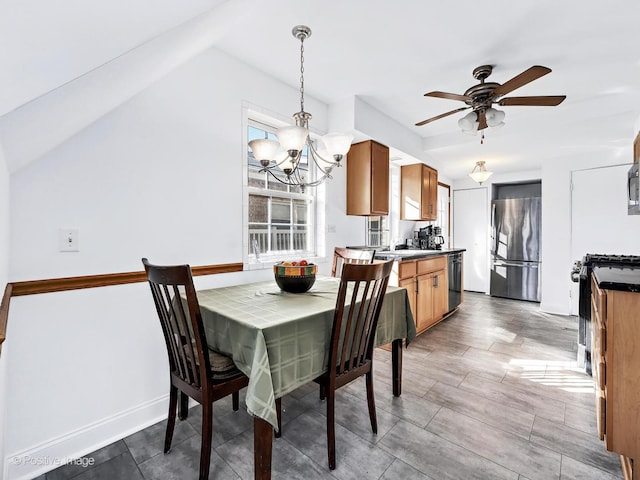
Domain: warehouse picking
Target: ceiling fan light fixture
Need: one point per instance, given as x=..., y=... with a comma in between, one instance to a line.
x=482, y=96
x=469, y=122
x=495, y=118
x=479, y=173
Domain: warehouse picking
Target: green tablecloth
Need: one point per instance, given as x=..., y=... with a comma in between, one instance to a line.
x=280, y=340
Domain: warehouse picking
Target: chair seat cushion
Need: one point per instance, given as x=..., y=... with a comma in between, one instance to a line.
x=222, y=366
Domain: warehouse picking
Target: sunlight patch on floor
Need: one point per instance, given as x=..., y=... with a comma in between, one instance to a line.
x=503, y=334
x=560, y=374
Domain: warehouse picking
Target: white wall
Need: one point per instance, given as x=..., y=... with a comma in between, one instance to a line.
x=172, y=153
x=4, y=275
x=556, y=238
x=30, y=129
x=557, y=257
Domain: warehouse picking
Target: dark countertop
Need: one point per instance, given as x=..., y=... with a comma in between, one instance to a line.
x=409, y=254
x=618, y=278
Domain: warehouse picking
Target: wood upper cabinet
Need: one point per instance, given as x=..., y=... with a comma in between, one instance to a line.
x=368, y=179
x=418, y=192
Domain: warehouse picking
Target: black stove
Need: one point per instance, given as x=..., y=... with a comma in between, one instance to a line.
x=581, y=273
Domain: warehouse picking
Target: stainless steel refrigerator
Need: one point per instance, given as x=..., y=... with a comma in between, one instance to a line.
x=515, y=248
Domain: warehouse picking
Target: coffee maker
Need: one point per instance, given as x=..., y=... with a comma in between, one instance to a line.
x=430, y=238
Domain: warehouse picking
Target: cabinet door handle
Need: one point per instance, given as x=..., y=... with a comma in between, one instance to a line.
x=417, y=286
x=435, y=281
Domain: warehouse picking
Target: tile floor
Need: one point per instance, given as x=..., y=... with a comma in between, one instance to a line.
x=490, y=393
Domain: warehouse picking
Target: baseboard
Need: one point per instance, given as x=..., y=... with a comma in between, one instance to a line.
x=54, y=453
x=555, y=309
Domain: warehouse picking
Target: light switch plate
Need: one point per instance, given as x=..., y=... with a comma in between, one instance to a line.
x=68, y=240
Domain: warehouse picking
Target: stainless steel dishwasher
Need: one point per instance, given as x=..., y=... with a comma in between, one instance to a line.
x=455, y=279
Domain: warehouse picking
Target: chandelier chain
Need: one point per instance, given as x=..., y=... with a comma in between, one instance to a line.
x=302, y=74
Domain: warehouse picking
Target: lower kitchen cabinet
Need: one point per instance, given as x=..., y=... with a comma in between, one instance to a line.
x=615, y=330
x=411, y=286
x=427, y=285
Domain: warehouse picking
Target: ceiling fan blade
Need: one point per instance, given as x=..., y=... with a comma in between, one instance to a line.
x=543, y=101
x=518, y=81
x=482, y=120
x=429, y=120
x=448, y=96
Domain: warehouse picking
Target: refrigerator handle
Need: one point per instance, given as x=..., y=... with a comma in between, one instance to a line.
x=494, y=246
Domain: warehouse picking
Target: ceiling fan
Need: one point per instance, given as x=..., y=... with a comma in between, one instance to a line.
x=481, y=98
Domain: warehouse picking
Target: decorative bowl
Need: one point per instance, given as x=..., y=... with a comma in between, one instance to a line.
x=295, y=279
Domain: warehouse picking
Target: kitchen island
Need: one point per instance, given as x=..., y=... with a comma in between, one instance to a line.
x=433, y=279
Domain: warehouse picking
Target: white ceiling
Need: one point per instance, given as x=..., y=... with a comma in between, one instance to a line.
x=387, y=53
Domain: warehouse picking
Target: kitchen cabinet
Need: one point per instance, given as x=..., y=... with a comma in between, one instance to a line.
x=426, y=281
x=410, y=285
x=615, y=336
x=368, y=179
x=418, y=192
x=433, y=291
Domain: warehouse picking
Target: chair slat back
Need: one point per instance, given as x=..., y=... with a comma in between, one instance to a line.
x=183, y=330
x=349, y=255
x=360, y=296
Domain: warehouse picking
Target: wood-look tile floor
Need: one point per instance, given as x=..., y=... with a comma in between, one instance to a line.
x=490, y=393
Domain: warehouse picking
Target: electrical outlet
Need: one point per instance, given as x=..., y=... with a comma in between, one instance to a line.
x=331, y=228
x=68, y=240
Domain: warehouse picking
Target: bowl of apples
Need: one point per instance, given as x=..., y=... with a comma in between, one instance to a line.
x=296, y=276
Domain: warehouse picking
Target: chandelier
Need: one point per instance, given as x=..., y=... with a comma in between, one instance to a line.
x=480, y=173
x=285, y=155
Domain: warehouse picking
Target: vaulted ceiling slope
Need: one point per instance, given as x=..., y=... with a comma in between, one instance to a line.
x=63, y=56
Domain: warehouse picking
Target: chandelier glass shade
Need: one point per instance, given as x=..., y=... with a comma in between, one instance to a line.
x=480, y=173
x=285, y=155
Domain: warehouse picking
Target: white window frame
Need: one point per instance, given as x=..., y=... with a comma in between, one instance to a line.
x=383, y=233
x=316, y=196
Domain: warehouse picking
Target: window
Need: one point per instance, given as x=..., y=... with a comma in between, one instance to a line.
x=377, y=231
x=280, y=217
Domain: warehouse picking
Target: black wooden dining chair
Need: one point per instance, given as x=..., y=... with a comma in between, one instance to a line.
x=360, y=296
x=195, y=370
x=349, y=255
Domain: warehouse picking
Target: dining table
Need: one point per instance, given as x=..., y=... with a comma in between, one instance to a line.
x=281, y=341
